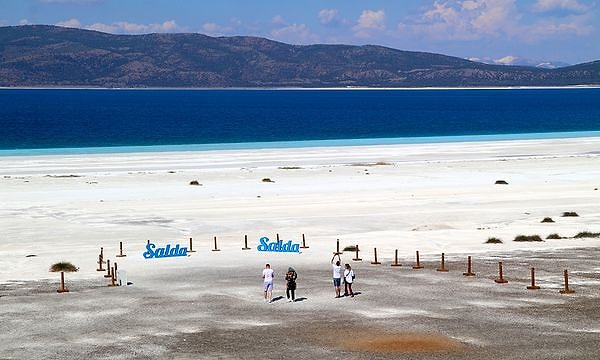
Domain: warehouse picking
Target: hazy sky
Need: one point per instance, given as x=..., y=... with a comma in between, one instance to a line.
x=555, y=30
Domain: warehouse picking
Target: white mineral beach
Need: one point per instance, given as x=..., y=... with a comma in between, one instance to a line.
x=434, y=198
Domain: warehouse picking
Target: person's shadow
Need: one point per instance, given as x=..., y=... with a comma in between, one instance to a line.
x=300, y=299
x=276, y=298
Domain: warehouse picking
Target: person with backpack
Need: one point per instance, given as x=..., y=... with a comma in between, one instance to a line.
x=290, y=278
x=348, y=280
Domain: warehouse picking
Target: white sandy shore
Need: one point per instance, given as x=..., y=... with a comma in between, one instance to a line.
x=429, y=197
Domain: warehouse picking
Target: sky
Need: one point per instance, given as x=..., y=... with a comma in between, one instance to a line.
x=500, y=31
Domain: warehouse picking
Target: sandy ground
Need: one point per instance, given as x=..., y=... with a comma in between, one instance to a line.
x=431, y=197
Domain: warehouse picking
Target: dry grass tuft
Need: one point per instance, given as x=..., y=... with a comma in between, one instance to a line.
x=586, y=234
x=493, y=240
x=569, y=214
x=524, y=238
x=63, y=266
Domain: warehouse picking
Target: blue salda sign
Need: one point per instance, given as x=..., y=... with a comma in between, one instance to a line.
x=152, y=252
x=277, y=246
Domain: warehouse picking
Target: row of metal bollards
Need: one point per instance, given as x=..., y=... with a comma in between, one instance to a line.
x=500, y=279
x=111, y=271
x=216, y=247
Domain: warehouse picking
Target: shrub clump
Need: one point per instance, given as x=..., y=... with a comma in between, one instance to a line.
x=267, y=180
x=569, y=214
x=523, y=238
x=554, y=236
x=493, y=240
x=195, y=183
x=547, y=220
x=501, y=182
x=586, y=234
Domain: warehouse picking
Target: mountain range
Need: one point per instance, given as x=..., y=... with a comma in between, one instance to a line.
x=51, y=56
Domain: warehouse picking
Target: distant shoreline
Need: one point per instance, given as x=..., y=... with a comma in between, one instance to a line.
x=298, y=88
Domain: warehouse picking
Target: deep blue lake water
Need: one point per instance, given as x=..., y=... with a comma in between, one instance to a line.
x=63, y=119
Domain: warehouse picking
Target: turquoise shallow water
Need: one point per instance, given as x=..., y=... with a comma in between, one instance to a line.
x=296, y=144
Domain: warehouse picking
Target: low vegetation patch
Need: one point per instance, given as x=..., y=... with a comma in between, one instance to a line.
x=501, y=182
x=289, y=167
x=493, y=240
x=547, y=220
x=63, y=176
x=586, y=234
x=195, y=183
x=267, y=180
x=570, y=214
x=523, y=238
x=379, y=163
x=554, y=236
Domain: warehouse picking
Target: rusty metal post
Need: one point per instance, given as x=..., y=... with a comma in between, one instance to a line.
x=112, y=278
x=100, y=261
x=396, y=263
x=216, y=248
x=356, y=257
x=303, y=243
x=469, y=272
x=533, y=286
x=500, y=279
x=337, y=247
x=121, y=250
x=245, y=243
x=442, y=267
x=191, y=250
x=375, y=262
x=566, y=290
x=418, y=264
x=107, y=275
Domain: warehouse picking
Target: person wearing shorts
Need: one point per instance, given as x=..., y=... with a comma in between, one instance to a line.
x=337, y=276
x=268, y=282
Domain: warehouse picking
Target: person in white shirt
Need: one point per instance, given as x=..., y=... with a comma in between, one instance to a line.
x=337, y=276
x=268, y=282
x=348, y=280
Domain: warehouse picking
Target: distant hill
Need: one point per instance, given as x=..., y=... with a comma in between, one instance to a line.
x=39, y=55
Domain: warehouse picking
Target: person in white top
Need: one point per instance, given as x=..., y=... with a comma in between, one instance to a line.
x=268, y=282
x=348, y=280
x=337, y=275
